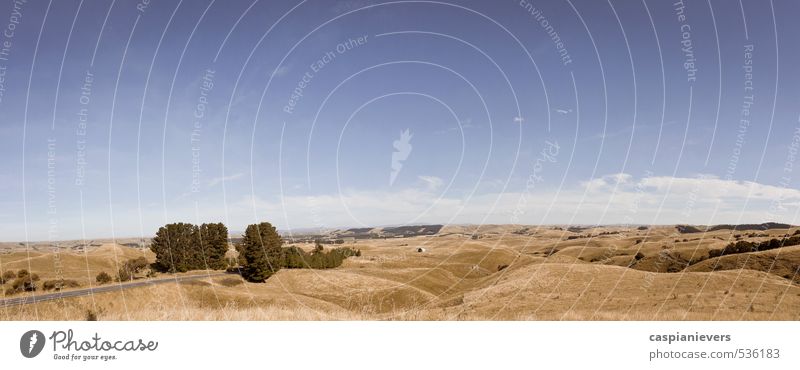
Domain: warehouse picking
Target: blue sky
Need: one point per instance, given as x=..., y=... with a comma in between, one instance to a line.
x=117, y=118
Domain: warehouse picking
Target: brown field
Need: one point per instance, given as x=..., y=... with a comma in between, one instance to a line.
x=509, y=272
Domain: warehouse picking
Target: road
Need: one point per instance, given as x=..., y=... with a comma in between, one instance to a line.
x=100, y=289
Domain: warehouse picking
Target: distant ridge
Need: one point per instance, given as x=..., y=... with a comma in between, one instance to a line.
x=688, y=229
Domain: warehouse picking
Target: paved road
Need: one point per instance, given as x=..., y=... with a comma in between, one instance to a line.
x=100, y=289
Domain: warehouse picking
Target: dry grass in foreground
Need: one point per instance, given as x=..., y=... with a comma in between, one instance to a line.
x=508, y=273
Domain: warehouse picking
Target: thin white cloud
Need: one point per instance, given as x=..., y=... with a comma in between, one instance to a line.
x=432, y=183
x=218, y=180
x=281, y=71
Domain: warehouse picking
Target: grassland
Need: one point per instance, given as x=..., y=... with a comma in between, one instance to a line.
x=503, y=272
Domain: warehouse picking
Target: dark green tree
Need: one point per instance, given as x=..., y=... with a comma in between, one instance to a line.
x=173, y=247
x=260, y=252
x=213, y=242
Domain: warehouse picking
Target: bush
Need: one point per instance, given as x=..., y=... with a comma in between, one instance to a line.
x=124, y=275
x=103, y=278
x=9, y=275
x=130, y=268
x=58, y=285
x=638, y=256
x=296, y=258
x=23, y=284
x=230, y=282
x=23, y=273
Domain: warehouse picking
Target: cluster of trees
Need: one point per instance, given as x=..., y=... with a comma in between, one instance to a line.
x=180, y=247
x=744, y=246
x=261, y=254
x=296, y=258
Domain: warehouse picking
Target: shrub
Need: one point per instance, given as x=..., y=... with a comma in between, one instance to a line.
x=136, y=264
x=9, y=275
x=60, y=284
x=130, y=268
x=23, y=273
x=24, y=284
x=103, y=278
x=230, y=282
x=124, y=275
x=639, y=255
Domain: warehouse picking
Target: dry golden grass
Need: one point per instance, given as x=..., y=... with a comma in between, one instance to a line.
x=544, y=276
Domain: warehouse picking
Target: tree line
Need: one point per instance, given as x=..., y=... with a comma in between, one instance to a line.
x=744, y=246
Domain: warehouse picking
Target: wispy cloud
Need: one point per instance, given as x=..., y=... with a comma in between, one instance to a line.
x=609, y=199
x=432, y=183
x=217, y=180
x=613, y=198
x=281, y=71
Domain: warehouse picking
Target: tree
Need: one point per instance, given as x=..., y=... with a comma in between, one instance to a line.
x=213, y=241
x=103, y=278
x=260, y=252
x=181, y=247
x=130, y=268
x=172, y=246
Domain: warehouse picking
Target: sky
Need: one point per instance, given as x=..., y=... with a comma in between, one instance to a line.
x=117, y=117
